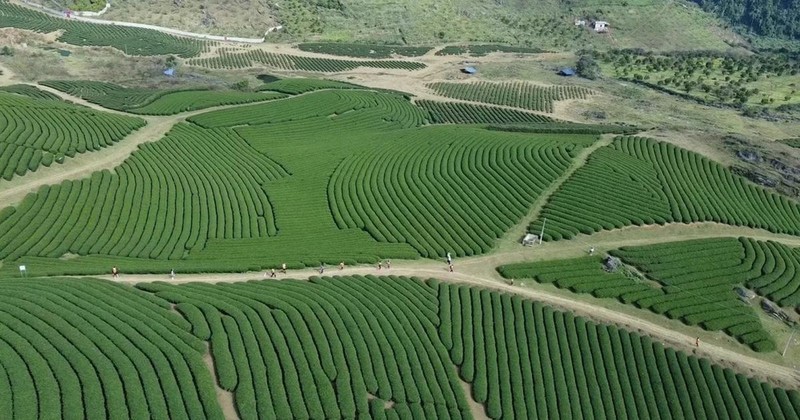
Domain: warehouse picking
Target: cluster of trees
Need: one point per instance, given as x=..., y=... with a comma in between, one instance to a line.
x=780, y=18
x=86, y=5
x=719, y=77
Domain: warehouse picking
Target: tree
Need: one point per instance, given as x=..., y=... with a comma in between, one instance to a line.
x=587, y=67
x=7, y=51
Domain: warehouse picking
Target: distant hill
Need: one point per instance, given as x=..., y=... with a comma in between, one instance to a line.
x=778, y=18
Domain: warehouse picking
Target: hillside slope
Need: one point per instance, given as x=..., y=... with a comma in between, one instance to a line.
x=779, y=18
x=550, y=24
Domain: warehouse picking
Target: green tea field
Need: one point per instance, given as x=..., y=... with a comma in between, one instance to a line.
x=397, y=210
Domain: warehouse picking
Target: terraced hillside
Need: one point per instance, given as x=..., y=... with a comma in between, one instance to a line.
x=132, y=41
x=245, y=187
x=342, y=347
x=692, y=281
x=227, y=58
x=515, y=94
x=639, y=181
x=37, y=130
x=155, y=101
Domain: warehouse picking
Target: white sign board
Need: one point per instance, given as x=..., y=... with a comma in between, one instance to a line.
x=22, y=268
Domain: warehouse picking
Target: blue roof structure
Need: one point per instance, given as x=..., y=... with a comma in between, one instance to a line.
x=567, y=71
x=470, y=70
x=169, y=72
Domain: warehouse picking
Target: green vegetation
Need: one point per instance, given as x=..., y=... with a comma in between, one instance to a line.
x=517, y=94
x=765, y=17
x=527, y=359
x=464, y=113
x=710, y=77
x=35, y=132
x=232, y=59
x=638, y=181
x=300, y=85
x=363, y=50
x=155, y=101
x=692, y=281
x=302, y=181
x=450, y=201
x=93, y=349
x=86, y=5
x=792, y=142
x=131, y=41
x=30, y=91
x=349, y=347
x=479, y=50
x=165, y=200
x=769, y=268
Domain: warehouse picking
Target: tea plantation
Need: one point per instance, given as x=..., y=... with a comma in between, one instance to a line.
x=342, y=347
x=227, y=58
x=247, y=188
x=156, y=101
x=131, y=41
x=692, y=281
x=516, y=94
x=639, y=181
x=36, y=130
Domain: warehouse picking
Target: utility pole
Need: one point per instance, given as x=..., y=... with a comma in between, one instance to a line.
x=788, y=342
x=541, y=235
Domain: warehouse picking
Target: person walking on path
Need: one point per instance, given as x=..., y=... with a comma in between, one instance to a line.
x=283, y=268
x=172, y=274
x=451, y=267
x=380, y=265
x=449, y=259
x=322, y=268
x=591, y=251
x=697, y=342
x=341, y=266
x=272, y=274
x=114, y=272
x=388, y=264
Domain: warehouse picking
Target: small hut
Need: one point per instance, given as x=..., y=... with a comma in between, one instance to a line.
x=529, y=239
x=566, y=72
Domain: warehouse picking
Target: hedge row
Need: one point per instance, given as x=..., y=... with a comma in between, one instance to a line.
x=525, y=360
x=642, y=181
x=36, y=132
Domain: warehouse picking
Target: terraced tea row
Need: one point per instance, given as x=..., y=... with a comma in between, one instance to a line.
x=156, y=101
x=383, y=347
x=480, y=50
x=323, y=349
x=769, y=268
x=295, y=86
x=691, y=281
x=441, y=195
x=363, y=50
x=525, y=360
x=638, y=181
x=233, y=59
x=30, y=91
x=132, y=41
x=463, y=113
x=516, y=94
x=36, y=132
x=92, y=349
x=165, y=200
